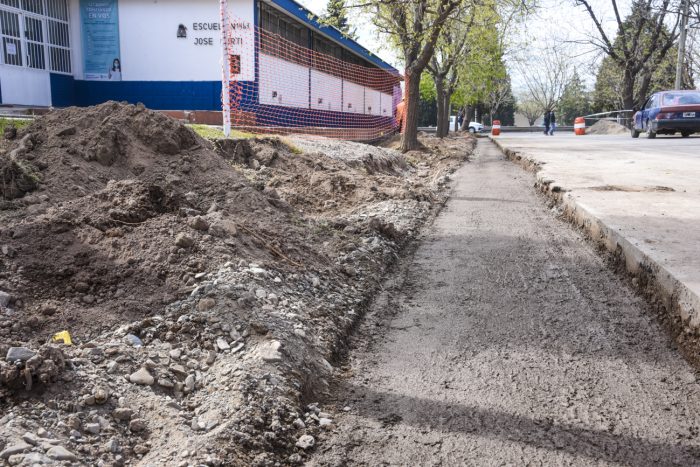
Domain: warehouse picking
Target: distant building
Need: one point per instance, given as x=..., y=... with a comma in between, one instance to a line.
x=167, y=54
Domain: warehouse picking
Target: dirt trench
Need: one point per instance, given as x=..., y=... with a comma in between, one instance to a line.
x=507, y=341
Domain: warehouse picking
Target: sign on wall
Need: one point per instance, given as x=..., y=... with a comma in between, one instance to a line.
x=100, y=36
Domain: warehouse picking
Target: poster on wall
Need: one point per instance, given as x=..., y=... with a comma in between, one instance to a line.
x=100, y=36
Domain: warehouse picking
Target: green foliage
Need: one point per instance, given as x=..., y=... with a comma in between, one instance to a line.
x=213, y=132
x=575, y=101
x=657, y=73
x=337, y=16
x=15, y=122
x=427, y=88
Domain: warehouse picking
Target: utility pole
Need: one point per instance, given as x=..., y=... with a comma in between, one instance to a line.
x=681, y=43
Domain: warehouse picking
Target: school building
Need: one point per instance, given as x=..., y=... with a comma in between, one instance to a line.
x=167, y=54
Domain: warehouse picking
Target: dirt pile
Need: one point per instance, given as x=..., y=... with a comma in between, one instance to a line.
x=206, y=286
x=606, y=127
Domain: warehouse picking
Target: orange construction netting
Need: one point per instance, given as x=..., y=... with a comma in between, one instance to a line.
x=277, y=85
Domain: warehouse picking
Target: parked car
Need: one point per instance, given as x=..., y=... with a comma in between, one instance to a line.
x=475, y=127
x=668, y=112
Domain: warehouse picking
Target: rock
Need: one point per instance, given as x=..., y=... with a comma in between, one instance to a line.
x=305, y=442
x=137, y=425
x=165, y=382
x=142, y=376
x=60, y=453
x=101, y=396
x=206, y=304
x=223, y=229
x=15, y=459
x=4, y=299
x=133, y=340
x=141, y=449
x=190, y=382
x=13, y=449
x=199, y=223
x=112, y=367
x=30, y=438
x=261, y=293
x=184, y=241
x=93, y=428
x=222, y=344
x=112, y=446
x=326, y=423
x=269, y=352
x=19, y=354
x=299, y=424
x=66, y=131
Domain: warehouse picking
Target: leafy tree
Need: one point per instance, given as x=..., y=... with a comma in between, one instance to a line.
x=608, y=91
x=575, y=101
x=336, y=16
x=427, y=107
x=413, y=27
x=642, y=43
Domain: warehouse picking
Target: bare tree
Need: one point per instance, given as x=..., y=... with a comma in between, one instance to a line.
x=499, y=95
x=546, y=77
x=643, y=40
x=531, y=110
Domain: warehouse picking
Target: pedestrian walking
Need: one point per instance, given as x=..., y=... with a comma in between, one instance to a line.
x=460, y=118
x=546, y=122
x=552, y=123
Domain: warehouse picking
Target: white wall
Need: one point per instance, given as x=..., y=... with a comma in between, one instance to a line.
x=328, y=89
x=353, y=94
x=372, y=102
x=283, y=83
x=25, y=86
x=151, y=50
x=387, y=102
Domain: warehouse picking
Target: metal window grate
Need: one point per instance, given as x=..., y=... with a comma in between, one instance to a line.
x=35, y=34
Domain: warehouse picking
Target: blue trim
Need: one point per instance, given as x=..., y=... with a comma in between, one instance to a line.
x=308, y=18
x=62, y=90
x=158, y=95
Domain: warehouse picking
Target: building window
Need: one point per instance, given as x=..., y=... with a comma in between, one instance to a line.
x=35, y=34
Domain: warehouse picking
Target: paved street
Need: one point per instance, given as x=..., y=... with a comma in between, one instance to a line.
x=646, y=191
x=509, y=342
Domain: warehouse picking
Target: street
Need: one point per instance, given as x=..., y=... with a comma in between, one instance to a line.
x=509, y=342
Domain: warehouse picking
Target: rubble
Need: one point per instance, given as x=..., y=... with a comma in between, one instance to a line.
x=205, y=294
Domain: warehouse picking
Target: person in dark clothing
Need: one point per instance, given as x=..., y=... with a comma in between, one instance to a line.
x=546, y=122
x=460, y=118
x=552, y=123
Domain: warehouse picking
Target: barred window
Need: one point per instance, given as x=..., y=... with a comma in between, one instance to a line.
x=35, y=34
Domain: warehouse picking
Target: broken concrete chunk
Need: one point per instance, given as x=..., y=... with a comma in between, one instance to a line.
x=19, y=354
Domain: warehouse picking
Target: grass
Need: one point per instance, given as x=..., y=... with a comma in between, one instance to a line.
x=214, y=132
x=17, y=123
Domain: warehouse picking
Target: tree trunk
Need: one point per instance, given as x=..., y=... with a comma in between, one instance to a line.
x=409, y=139
x=628, y=91
x=446, y=112
x=441, y=111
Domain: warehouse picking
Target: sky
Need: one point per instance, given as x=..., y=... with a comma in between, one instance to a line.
x=557, y=23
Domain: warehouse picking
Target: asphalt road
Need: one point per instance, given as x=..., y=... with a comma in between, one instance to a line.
x=507, y=341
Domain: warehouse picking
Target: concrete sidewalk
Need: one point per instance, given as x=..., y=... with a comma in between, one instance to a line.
x=639, y=197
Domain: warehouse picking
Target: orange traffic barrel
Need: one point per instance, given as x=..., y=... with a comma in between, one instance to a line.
x=579, y=126
x=496, y=128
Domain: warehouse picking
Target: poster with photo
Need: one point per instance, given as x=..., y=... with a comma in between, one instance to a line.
x=100, y=36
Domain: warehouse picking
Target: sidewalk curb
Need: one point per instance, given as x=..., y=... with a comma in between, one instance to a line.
x=681, y=304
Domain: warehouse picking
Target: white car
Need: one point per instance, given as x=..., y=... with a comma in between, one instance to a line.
x=475, y=127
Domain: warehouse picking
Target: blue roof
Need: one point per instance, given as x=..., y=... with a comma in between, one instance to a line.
x=309, y=18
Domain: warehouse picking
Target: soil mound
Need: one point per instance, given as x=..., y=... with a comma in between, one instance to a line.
x=108, y=213
x=606, y=127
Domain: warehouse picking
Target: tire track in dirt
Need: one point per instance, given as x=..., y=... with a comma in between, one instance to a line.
x=510, y=342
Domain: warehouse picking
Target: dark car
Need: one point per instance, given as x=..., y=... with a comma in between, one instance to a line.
x=669, y=112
